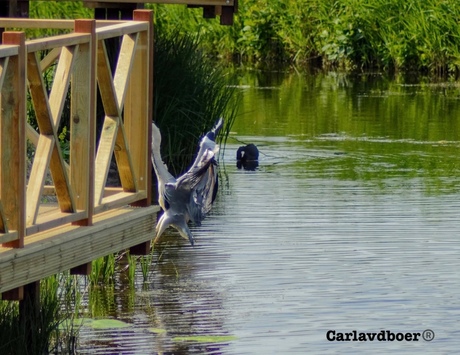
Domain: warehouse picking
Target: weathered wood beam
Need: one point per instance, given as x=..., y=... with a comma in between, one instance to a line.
x=57, y=250
x=44, y=115
x=124, y=161
x=138, y=113
x=84, y=269
x=15, y=294
x=124, y=66
x=83, y=122
x=12, y=138
x=226, y=17
x=105, y=81
x=61, y=83
x=37, y=176
x=104, y=155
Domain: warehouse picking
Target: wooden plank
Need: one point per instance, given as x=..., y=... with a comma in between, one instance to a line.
x=84, y=269
x=138, y=107
x=105, y=81
x=50, y=58
x=37, y=176
x=124, y=66
x=209, y=11
x=46, y=127
x=226, y=17
x=61, y=83
x=83, y=123
x=120, y=199
x=121, y=6
x=12, y=139
x=32, y=134
x=61, y=179
x=124, y=161
x=15, y=294
x=38, y=94
x=3, y=66
x=6, y=238
x=3, y=225
x=42, y=44
x=120, y=29
x=63, y=248
x=49, y=190
x=53, y=219
x=8, y=50
x=104, y=156
x=141, y=249
x=6, y=22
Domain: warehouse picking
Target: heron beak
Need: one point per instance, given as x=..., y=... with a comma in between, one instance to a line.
x=184, y=231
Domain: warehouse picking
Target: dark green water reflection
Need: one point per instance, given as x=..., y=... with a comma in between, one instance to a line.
x=290, y=104
x=364, y=127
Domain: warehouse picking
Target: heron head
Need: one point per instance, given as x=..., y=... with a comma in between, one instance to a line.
x=178, y=221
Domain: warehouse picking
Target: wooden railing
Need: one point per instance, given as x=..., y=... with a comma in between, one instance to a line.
x=81, y=66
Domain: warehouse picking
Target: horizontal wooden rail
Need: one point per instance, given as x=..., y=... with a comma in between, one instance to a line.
x=8, y=51
x=120, y=29
x=60, y=41
x=79, y=64
x=24, y=23
x=29, y=23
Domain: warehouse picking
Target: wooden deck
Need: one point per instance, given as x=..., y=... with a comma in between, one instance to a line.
x=89, y=219
x=69, y=246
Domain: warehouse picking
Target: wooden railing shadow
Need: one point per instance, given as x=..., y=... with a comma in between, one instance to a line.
x=81, y=67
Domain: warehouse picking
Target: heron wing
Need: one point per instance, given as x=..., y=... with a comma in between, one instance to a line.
x=204, y=193
x=198, y=183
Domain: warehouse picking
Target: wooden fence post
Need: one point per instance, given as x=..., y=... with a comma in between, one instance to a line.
x=138, y=115
x=13, y=140
x=138, y=107
x=83, y=122
x=83, y=129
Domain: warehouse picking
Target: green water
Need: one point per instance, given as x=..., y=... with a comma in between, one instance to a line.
x=350, y=222
x=377, y=128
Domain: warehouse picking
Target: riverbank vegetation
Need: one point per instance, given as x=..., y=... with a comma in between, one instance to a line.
x=390, y=35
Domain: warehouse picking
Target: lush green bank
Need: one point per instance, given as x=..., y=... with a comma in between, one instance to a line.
x=420, y=35
x=353, y=34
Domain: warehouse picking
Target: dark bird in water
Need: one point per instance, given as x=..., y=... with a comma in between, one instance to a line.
x=190, y=196
x=247, y=157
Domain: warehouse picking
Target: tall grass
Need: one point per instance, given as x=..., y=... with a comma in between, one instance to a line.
x=43, y=330
x=191, y=93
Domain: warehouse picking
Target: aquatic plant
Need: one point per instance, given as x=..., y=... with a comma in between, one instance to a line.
x=102, y=270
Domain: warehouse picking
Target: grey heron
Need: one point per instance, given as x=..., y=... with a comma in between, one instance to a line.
x=190, y=196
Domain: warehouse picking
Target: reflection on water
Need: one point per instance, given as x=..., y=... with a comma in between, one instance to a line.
x=350, y=222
